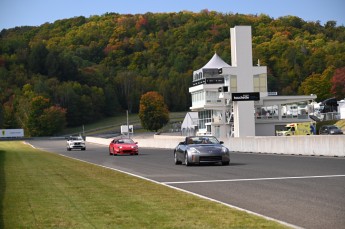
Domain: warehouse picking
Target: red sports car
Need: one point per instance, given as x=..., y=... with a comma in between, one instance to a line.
x=123, y=146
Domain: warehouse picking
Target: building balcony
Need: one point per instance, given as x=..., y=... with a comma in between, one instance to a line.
x=208, y=104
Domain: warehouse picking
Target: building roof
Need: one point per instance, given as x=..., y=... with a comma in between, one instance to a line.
x=190, y=120
x=215, y=62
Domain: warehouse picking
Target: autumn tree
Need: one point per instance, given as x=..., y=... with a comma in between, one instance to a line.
x=7, y=116
x=53, y=119
x=338, y=83
x=98, y=66
x=318, y=84
x=153, y=112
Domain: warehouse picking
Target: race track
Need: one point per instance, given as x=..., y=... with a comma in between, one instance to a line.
x=307, y=192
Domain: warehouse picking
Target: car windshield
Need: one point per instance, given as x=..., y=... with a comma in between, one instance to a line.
x=125, y=141
x=75, y=138
x=333, y=128
x=202, y=140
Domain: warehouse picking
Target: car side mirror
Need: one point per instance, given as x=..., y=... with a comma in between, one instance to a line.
x=221, y=142
x=182, y=143
x=136, y=143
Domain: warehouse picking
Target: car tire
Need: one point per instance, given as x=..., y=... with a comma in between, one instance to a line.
x=186, y=162
x=83, y=148
x=226, y=163
x=177, y=162
x=68, y=149
x=110, y=152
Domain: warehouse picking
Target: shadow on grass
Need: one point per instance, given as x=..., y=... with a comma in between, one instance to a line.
x=2, y=187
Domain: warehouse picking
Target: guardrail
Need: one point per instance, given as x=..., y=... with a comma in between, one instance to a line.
x=315, y=145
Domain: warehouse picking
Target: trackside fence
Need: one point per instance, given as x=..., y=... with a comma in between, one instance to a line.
x=316, y=145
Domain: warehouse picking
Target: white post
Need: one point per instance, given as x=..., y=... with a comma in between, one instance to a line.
x=127, y=124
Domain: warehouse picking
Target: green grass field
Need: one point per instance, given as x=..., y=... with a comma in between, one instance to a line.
x=114, y=123
x=44, y=190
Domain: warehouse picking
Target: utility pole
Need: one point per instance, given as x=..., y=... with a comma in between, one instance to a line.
x=127, y=125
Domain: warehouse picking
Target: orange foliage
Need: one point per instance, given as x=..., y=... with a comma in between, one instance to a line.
x=142, y=21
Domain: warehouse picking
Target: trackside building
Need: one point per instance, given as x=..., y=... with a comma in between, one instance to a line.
x=232, y=100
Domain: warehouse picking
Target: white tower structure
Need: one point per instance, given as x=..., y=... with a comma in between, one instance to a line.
x=223, y=96
x=243, y=74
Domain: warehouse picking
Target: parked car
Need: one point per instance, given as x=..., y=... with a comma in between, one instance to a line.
x=75, y=142
x=123, y=146
x=330, y=129
x=201, y=149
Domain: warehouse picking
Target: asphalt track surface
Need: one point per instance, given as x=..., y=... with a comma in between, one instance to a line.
x=307, y=192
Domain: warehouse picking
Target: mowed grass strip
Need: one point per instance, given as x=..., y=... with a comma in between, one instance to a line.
x=44, y=190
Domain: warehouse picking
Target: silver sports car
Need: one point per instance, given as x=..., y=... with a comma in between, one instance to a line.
x=201, y=149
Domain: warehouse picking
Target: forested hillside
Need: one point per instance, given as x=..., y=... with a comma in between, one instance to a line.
x=87, y=68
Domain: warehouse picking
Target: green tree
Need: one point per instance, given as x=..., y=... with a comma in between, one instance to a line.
x=153, y=112
x=126, y=83
x=43, y=118
x=37, y=105
x=37, y=58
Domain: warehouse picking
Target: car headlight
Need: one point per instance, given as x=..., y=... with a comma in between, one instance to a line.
x=193, y=150
x=225, y=150
x=120, y=147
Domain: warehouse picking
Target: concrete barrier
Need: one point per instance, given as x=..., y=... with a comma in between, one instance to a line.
x=101, y=141
x=325, y=145
x=162, y=141
x=156, y=141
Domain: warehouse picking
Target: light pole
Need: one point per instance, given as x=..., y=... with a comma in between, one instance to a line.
x=127, y=125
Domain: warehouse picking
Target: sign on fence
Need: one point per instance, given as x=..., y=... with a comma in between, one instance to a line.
x=11, y=133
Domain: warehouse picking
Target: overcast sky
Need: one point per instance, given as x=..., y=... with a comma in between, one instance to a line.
x=37, y=12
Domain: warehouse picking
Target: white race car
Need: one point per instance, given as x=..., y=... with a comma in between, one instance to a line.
x=75, y=142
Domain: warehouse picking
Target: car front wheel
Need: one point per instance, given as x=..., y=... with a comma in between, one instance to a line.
x=177, y=162
x=186, y=162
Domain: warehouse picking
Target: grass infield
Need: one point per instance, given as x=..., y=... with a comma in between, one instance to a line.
x=39, y=189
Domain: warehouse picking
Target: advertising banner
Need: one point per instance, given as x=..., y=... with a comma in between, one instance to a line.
x=245, y=96
x=11, y=133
